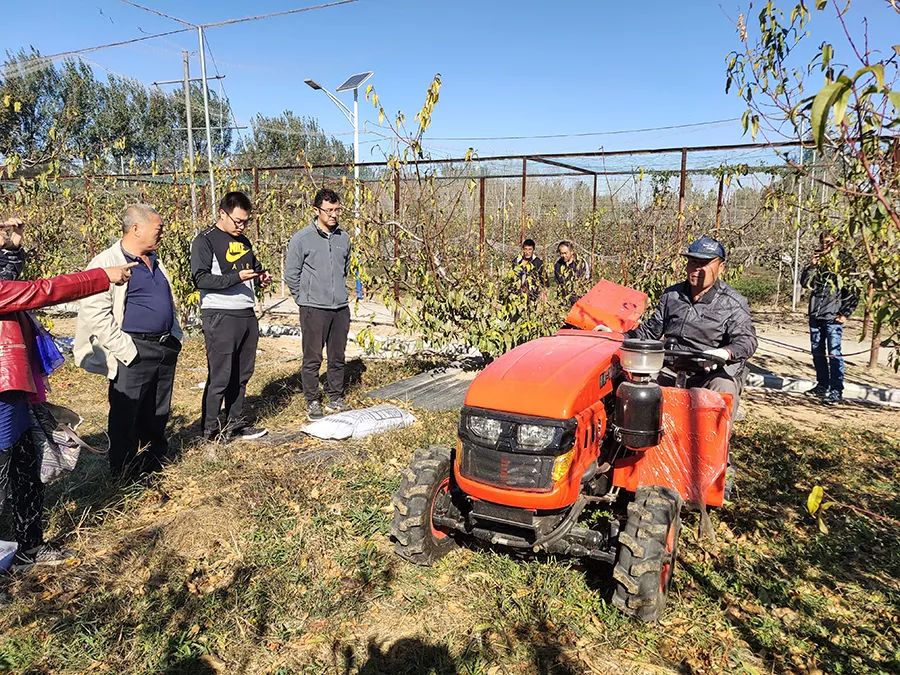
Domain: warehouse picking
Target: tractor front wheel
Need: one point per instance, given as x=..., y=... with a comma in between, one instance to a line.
x=647, y=548
x=415, y=536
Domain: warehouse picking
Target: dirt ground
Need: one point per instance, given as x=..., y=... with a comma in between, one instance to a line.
x=274, y=557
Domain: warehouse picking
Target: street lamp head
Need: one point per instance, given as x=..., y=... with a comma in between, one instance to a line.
x=313, y=84
x=355, y=81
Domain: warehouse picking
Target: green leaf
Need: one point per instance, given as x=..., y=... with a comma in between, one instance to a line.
x=877, y=70
x=822, y=104
x=894, y=96
x=840, y=105
x=827, y=54
x=814, y=499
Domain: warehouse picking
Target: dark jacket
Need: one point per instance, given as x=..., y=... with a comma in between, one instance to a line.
x=316, y=267
x=531, y=275
x=567, y=276
x=827, y=301
x=217, y=259
x=721, y=318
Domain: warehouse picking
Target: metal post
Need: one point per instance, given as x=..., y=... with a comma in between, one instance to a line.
x=256, y=194
x=868, y=325
x=396, y=244
x=524, y=179
x=481, y=218
x=795, y=295
x=190, y=132
x=719, y=203
x=209, y=155
x=593, y=226
x=682, y=187
x=89, y=216
x=356, y=156
x=502, y=215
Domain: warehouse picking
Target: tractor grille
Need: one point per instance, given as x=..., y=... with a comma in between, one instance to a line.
x=507, y=469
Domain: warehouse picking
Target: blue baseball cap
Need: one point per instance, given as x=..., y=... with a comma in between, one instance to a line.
x=705, y=248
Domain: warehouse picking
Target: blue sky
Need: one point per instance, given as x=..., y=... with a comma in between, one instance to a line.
x=509, y=68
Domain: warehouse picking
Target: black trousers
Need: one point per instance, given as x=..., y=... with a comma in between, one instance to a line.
x=323, y=328
x=20, y=481
x=231, y=343
x=139, y=401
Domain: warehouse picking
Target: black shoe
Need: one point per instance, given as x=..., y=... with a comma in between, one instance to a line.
x=43, y=554
x=221, y=436
x=338, y=405
x=248, y=434
x=314, y=410
x=818, y=390
x=833, y=398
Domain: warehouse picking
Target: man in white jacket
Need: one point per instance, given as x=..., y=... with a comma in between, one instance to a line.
x=131, y=335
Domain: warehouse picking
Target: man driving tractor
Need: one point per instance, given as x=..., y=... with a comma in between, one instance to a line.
x=704, y=313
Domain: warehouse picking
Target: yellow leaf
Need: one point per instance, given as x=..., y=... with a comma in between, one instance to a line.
x=17, y=106
x=814, y=499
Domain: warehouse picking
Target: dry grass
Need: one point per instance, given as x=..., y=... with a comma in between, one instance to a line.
x=274, y=558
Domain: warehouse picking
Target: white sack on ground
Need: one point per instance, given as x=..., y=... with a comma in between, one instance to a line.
x=359, y=423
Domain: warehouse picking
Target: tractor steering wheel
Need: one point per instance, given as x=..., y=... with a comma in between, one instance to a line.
x=693, y=361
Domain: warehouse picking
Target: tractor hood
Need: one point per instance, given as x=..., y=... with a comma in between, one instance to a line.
x=554, y=377
x=559, y=376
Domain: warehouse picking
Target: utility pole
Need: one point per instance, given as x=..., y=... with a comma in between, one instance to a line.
x=795, y=296
x=209, y=156
x=190, y=133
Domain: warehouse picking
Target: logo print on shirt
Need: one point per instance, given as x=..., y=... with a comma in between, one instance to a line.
x=236, y=251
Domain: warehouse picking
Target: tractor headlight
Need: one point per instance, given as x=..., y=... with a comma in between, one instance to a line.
x=484, y=427
x=535, y=436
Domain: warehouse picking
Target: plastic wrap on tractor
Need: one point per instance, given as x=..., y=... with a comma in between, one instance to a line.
x=618, y=307
x=692, y=455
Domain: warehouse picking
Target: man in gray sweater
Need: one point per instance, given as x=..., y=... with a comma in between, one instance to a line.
x=318, y=259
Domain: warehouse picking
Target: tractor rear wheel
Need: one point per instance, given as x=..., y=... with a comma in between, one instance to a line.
x=415, y=536
x=647, y=548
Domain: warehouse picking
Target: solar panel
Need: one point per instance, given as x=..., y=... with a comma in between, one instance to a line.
x=354, y=81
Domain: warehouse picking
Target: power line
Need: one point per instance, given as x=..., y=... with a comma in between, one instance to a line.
x=216, y=24
x=224, y=94
x=120, y=43
x=159, y=13
x=299, y=10
x=581, y=135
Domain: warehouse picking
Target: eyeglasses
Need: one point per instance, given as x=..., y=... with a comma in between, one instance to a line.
x=331, y=212
x=240, y=222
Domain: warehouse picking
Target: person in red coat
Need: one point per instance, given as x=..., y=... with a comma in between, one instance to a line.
x=22, y=382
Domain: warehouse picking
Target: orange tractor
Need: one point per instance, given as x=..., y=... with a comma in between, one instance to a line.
x=568, y=446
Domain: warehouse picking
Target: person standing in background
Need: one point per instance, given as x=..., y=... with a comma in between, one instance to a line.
x=131, y=335
x=830, y=305
x=529, y=269
x=569, y=271
x=318, y=259
x=225, y=270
